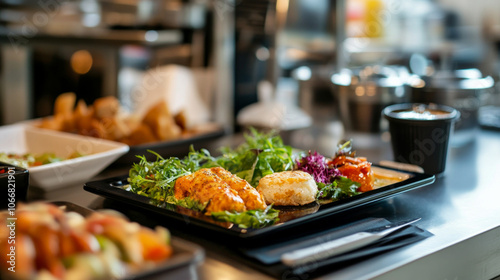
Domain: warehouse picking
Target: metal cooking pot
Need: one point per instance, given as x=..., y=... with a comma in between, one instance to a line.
x=465, y=90
x=362, y=93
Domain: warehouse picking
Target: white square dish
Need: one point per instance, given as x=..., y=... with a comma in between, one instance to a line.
x=97, y=154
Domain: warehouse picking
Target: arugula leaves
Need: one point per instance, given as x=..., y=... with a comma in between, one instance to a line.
x=340, y=188
x=187, y=202
x=250, y=218
x=156, y=179
x=195, y=160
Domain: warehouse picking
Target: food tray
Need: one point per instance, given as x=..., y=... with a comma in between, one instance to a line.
x=186, y=254
x=292, y=216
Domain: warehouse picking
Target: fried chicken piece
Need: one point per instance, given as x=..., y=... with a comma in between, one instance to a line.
x=252, y=198
x=140, y=135
x=63, y=108
x=205, y=186
x=161, y=122
x=106, y=107
x=64, y=104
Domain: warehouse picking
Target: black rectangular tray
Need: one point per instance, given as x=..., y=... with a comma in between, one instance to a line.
x=113, y=188
x=178, y=266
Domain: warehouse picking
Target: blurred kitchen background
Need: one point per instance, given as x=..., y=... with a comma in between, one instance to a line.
x=324, y=66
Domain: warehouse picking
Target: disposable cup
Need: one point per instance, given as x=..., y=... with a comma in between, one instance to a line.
x=420, y=134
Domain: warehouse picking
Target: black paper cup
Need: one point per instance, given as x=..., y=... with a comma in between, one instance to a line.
x=421, y=139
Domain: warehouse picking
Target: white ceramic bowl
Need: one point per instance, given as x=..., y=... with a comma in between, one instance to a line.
x=97, y=154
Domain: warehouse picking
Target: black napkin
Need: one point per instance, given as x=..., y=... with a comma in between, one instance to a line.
x=268, y=258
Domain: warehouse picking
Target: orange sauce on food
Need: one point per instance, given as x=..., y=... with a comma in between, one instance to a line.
x=356, y=169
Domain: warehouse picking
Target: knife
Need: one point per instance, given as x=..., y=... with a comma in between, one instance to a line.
x=341, y=245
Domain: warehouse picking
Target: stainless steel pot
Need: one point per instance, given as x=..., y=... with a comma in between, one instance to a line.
x=362, y=93
x=465, y=90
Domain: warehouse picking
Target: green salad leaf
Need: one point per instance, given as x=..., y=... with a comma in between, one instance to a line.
x=156, y=179
x=250, y=218
x=30, y=160
x=340, y=188
x=187, y=203
x=47, y=158
x=195, y=160
x=22, y=161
